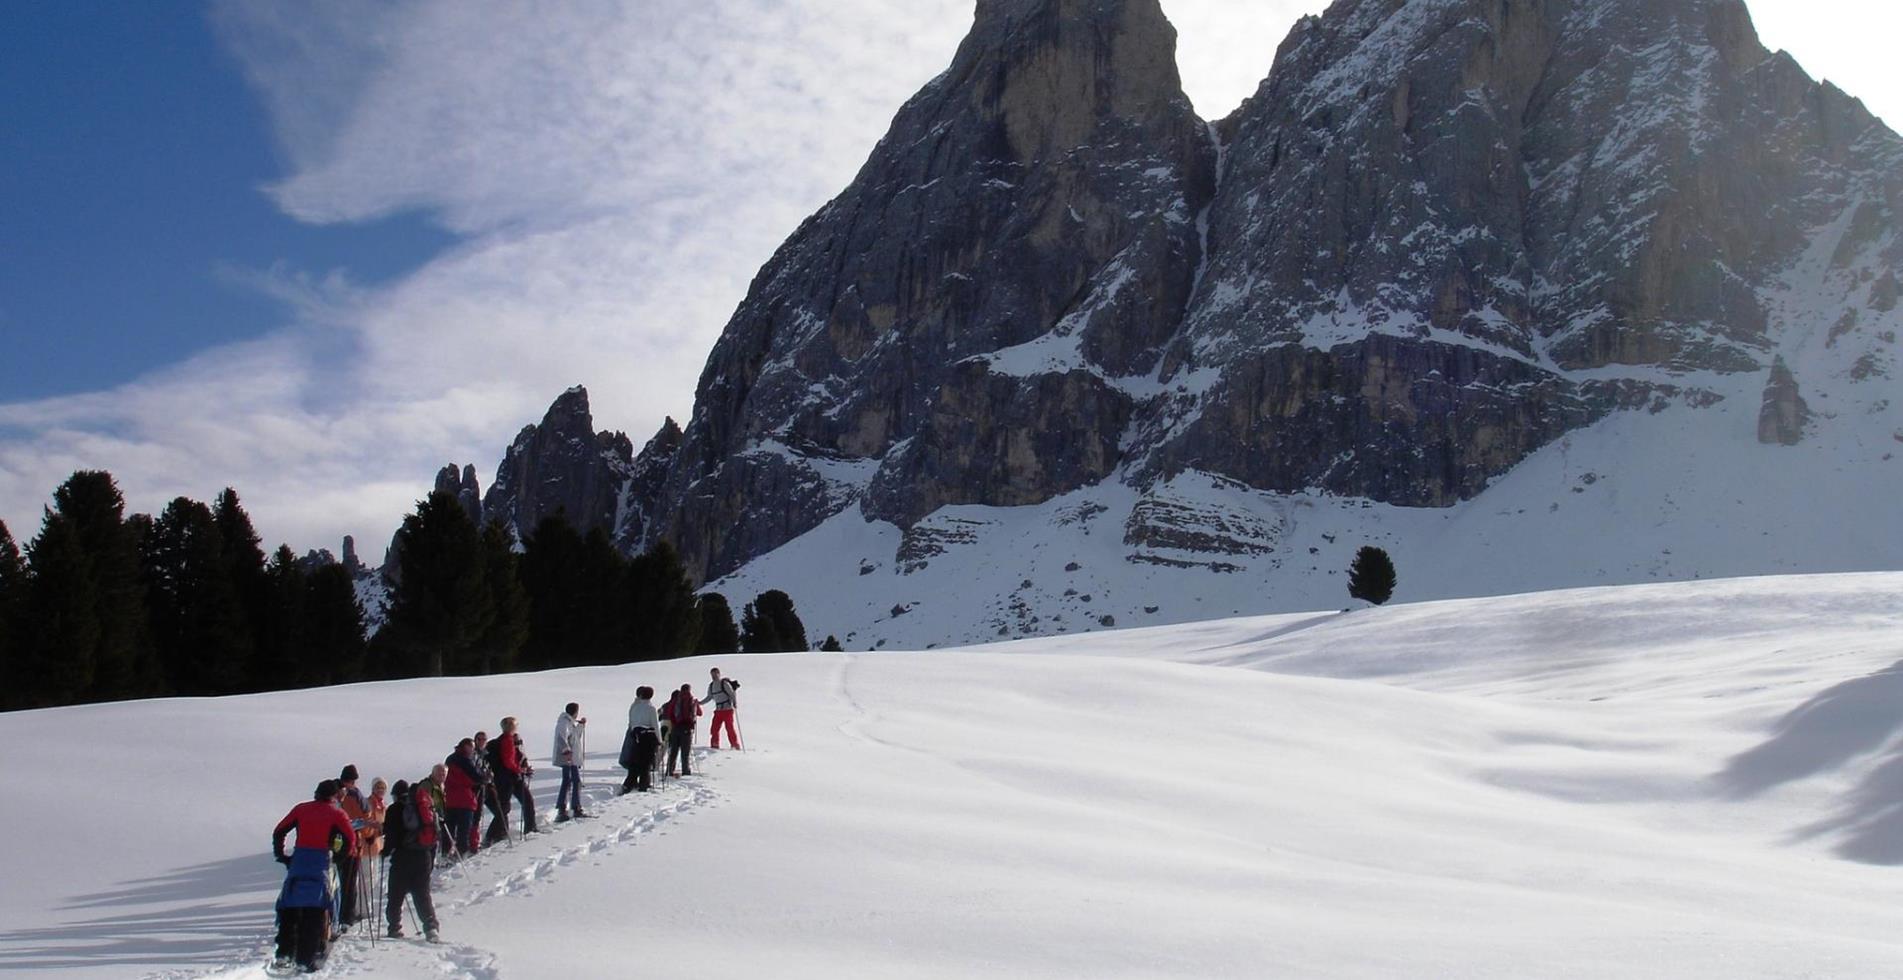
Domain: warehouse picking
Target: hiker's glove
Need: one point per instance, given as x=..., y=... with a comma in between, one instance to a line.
x=283, y=858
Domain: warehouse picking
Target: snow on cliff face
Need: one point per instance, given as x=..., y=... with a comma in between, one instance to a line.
x=1535, y=292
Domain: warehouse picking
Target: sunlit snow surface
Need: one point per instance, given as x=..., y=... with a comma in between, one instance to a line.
x=1686, y=780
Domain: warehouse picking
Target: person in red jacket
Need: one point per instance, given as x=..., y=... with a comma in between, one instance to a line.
x=304, y=903
x=462, y=795
x=513, y=774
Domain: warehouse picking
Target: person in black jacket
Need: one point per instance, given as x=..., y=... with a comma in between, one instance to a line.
x=410, y=827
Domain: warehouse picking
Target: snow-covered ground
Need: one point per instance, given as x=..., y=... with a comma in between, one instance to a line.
x=1692, y=779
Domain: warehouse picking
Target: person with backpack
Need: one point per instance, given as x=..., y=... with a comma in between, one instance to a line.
x=680, y=713
x=462, y=789
x=438, y=774
x=569, y=733
x=304, y=902
x=350, y=798
x=723, y=693
x=410, y=829
x=639, y=745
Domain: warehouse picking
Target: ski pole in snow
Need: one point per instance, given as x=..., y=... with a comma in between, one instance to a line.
x=739, y=732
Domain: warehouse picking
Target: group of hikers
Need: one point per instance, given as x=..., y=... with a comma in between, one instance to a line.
x=344, y=835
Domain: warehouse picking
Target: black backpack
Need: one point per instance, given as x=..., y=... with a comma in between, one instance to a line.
x=400, y=822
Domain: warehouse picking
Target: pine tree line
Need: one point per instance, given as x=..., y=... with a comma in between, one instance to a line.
x=101, y=606
x=467, y=601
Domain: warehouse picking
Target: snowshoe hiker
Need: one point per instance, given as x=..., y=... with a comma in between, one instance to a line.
x=724, y=694
x=305, y=901
x=680, y=714
x=639, y=745
x=570, y=729
x=410, y=829
x=512, y=774
x=462, y=789
x=434, y=784
x=350, y=798
x=494, y=798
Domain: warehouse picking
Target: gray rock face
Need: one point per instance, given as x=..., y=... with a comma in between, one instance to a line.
x=1045, y=186
x=461, y=484
x=563, y=466
x=1441, y=235
x=1782, y=419
x=1434, y=214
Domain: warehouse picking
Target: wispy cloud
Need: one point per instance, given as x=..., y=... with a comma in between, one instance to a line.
x=618, y=172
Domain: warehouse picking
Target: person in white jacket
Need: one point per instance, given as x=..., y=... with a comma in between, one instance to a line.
x=569, y=729
x=643, y=740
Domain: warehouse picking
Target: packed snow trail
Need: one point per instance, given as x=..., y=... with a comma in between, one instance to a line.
x=1693, y=780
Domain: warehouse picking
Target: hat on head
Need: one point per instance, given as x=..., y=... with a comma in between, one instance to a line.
x=349, y=774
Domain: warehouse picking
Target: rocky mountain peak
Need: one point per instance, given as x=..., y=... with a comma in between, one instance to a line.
x=1053, y=72
x=562, y=465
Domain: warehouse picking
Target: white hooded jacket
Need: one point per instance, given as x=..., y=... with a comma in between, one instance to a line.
x=568, y=733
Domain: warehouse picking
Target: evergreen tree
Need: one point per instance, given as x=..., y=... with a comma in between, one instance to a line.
x=12, y=597
x=600, y=603
x=244, y=566
x=1371, y=575
x=756, y=631
x=333, y=645
x=769, y=625
x=283, y=659
x=441, y=605
x=122, y=654
x=831, y=645
x=718, y=634
x=499, y=646
x=550, y=571
x=197, y=621
x=663, y=617
x=59, y=648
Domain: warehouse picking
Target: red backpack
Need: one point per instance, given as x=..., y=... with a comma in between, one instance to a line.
x=679, y=710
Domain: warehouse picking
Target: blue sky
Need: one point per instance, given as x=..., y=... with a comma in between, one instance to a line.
x=316, y=250
x=135, y=153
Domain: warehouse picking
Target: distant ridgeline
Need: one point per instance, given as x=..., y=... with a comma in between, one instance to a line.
x=102, y=606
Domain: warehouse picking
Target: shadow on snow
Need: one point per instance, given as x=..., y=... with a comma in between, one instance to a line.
x=1844, y=722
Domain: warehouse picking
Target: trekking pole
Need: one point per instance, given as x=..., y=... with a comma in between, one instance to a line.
x=739, y=731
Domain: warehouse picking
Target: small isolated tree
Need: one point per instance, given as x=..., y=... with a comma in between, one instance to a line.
x=831, y=645
x=1371, y=575
x=770, y=625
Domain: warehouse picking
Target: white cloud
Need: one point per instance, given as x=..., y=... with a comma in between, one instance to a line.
x=619, y=172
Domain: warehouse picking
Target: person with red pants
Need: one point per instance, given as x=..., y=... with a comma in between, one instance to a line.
x=721, y=692
x=304, y=903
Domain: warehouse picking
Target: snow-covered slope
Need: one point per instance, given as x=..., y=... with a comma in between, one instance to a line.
x=1678, y=780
